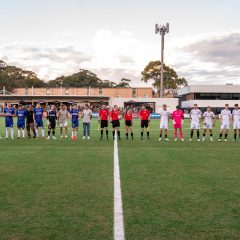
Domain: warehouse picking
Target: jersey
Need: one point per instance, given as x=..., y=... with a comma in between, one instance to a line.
x=236, y=115
x=38, y=114
x=114, y=115
x=195, y=115
x=178, y=116
x=21, y=115
x=226, y=114
x=144, y=114
x=75, y=115
x=164, y=115
x=103, y=114
x=8, y=116
x=52, y=116
x=208, y=117
x=128, y=117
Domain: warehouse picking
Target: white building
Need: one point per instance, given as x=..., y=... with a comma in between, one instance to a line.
x=215, y=96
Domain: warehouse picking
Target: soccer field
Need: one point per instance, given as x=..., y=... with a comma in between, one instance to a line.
x=63, y=189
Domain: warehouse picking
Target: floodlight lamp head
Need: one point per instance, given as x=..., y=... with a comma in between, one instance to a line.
x=167, y=28
x=157, y=29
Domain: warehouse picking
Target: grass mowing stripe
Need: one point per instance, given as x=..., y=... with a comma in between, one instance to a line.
x=118, y=210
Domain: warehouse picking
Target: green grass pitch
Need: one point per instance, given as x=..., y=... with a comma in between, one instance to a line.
x=61, y=189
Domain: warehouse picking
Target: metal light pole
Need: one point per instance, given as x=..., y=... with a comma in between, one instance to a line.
x=162, y=29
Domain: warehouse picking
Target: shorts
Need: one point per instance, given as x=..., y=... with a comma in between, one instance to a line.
x=195, y=125
x=65, y=124
x=39, y=123
x=163, y=125
x=128, y=123
x=9, y=124
x=208, y=125
x=75, y=124
x=115, y=123
x=236, y=125
x=225, y=125
x=52, y=125
x=177, y=125
x=144, y=123
x=104, y=123
x=21, y=125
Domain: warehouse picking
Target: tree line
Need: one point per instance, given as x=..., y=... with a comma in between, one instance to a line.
x=13, y=77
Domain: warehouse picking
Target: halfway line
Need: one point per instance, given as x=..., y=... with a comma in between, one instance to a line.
x=118, y=209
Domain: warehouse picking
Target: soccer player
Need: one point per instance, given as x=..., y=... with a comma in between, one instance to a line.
x=30, y=122
x=63, y=121
x=164, y=119
x=236, y=121
x=144, y=116
x=103, y=120
x=196, y=116
x=225, y=120
x=21, y=115
x=75, y=120
x=52, y=117
x=87, y=116
x=38, y=119
x=209, y=122
x=178, y=120
x=114, y=116
x=128, y=118
x=9, y=113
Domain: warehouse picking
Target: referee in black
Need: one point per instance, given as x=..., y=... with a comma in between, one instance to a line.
x=52, y=118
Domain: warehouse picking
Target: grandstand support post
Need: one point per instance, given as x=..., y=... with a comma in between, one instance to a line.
x=162, y=30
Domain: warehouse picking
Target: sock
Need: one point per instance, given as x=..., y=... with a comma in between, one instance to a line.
x=11, y=132
x=175, y=133
x=36, y=132
x=181, y=134
x=127, y=135
x=101, y=133
x=19, y=133
x=220, y=136
x=198, y=134
x=72, y=133
x=205, y=135
x=53, y=132
x=141, y=134
x=75, y=133
x=118, y=133
x=166, y=136
x=226, y=135
x=113, y=134
x=235, y=136
x=43, y=132
x=132, y=135
x=107, y=133
x=23, y=133
x=6, y=132
x=191, y=135
x=211, y=135
x=160, y=135
x=148, y=134
x=49, y=132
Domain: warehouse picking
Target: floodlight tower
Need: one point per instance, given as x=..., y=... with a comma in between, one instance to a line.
x=162, y=29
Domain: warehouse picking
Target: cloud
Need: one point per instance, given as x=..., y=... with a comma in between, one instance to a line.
x=206, y=58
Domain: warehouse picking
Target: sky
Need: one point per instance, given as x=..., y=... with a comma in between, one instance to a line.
x=116, y=39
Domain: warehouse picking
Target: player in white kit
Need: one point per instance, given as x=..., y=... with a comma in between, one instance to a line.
x=225, y=120
x=209, y=122
x=164, y=118
x=236, y=121
x=196, y=116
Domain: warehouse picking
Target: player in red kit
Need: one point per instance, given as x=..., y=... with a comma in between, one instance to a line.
x=178, y=118
x=103, y=120
x=114, y=115
x=144, y=116
x=128, y=118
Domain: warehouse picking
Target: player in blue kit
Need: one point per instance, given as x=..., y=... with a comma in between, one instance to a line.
x=21, y=115
x=38, y=119
x=75, y=121
x=9, y=113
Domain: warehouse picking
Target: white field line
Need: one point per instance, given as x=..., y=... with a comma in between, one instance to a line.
x=118, y=209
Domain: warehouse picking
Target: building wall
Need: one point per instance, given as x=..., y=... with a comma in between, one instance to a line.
x=171, y=102
x=108, y=92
